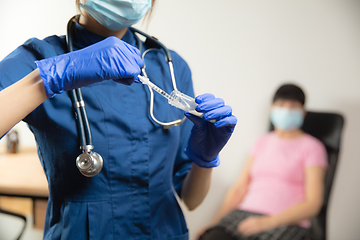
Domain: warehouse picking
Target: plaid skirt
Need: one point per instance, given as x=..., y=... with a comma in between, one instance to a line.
x=226, y=229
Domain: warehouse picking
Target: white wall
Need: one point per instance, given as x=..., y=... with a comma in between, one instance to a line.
x=242, y=51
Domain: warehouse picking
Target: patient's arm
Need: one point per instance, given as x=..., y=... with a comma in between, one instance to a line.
x=314, y=191
x=236, y=193
x=314, y=188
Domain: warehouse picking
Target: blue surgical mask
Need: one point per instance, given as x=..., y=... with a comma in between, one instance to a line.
x=286, y=119
x=117, y=14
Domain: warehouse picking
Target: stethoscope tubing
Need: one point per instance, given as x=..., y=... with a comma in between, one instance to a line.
x=166, y=125
x=85, y=120
x=79, y=118
x=82, y=122
x=157, y=46
x=76, y=94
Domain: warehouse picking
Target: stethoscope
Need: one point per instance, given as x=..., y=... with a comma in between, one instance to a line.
x=88, y=162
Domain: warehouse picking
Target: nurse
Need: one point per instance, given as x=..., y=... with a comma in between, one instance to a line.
x=133, y=197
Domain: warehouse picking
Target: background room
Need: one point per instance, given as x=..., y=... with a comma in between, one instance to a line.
x=242, y=51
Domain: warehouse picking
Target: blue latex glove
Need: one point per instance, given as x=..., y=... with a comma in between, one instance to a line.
x=207, y=139
x=111, y=58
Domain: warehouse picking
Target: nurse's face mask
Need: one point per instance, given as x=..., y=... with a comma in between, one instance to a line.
x=287, y=115
x=117, y=14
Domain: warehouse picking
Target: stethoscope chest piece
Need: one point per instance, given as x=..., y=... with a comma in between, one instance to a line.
x=89, y=163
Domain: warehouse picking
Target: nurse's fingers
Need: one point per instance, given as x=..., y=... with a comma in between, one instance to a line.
x=210, y=104
x=204, y=97
x=218, y=113
x=229, y=121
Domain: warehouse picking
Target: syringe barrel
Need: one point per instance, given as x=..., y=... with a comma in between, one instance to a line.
x=184, y=102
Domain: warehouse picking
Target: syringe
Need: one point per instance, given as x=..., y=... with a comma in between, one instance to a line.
x=176, y=98
x=146, y=81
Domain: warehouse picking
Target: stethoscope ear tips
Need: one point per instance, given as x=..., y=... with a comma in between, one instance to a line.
x=89, y=163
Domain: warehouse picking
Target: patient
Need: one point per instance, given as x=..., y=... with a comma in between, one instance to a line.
x=281, y=185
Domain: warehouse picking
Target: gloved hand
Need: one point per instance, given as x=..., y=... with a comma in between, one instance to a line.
x=207, y=138
x=111, y=58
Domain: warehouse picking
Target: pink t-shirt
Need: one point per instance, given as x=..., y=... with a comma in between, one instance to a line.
x=278, y=172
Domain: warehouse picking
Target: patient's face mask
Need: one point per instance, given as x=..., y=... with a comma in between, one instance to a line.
x=287, y=119
x=117, y=14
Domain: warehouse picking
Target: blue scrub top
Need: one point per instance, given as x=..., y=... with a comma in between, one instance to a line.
x=132, y=197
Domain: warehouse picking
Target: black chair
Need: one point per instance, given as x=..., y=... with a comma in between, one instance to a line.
x=327, y=127
x=18, y=216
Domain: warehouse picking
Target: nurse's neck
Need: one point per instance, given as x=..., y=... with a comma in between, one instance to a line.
x=289, y=134
x=90, y=24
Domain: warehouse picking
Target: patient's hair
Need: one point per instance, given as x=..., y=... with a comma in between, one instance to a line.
x=290, y=92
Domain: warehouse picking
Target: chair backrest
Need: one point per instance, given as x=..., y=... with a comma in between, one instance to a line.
x=16, y=216
x=327, y=127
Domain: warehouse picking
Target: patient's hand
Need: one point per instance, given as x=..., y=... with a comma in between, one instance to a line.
x=255, y=224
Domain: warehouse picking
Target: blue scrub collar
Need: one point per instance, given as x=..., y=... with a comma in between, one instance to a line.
x=83, y=37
